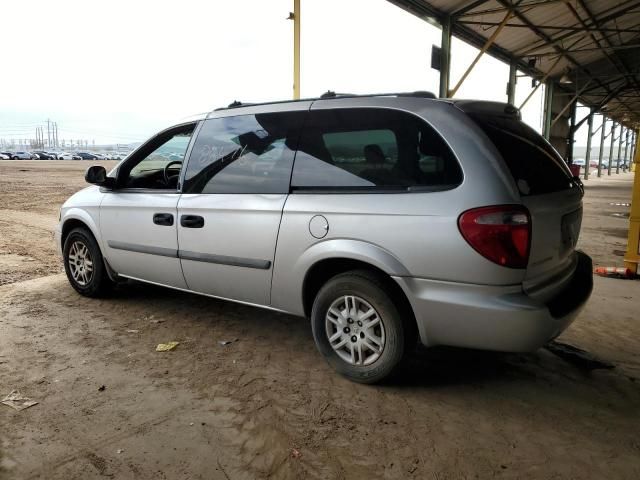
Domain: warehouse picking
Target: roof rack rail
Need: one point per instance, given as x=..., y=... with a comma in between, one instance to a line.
x=329, y=95
x=417, y=94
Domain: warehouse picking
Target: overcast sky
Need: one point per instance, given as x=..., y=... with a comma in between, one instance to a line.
x=118, y=71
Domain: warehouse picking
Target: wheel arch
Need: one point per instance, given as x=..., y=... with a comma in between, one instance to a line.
x=78, y=219
x=325, y=269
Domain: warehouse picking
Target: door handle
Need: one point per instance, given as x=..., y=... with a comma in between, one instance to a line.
x=192, y=221
x=165, y=219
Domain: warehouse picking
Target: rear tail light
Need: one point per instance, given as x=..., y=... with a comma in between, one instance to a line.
x=500, y=233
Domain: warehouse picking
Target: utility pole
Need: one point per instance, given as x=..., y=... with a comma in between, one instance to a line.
x=295, y=16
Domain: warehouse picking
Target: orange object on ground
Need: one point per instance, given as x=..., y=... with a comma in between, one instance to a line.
x=618, y=272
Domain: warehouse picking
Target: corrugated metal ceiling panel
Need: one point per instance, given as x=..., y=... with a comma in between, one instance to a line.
x=596, y=40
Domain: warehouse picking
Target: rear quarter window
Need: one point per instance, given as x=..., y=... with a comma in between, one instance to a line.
x=372, y=149
x=536, y=167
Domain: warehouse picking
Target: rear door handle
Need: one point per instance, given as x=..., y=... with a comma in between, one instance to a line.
x=192, y=221
x=165, y=219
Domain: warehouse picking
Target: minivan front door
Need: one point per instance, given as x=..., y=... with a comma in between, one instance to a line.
x=139, y=232
x=138, y=219
x=235, y=187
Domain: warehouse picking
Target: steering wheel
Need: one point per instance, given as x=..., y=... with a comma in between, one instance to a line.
x=168, y=176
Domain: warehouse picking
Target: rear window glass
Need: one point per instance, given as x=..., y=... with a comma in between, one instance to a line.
x=535, y=165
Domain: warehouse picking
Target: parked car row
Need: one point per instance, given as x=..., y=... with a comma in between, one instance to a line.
x=43, y=155
x=593, y=163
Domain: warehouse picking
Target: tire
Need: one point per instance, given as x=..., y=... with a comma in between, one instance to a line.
x=367, y=291
x=88, y=277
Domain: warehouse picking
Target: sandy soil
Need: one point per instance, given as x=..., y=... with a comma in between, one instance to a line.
x=267, y=405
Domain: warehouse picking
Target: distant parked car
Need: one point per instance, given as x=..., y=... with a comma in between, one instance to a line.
x=7, y=154
x=24, y=156
x=87, y=156
x=4, y=157
x=68, y=156
x=45, y=155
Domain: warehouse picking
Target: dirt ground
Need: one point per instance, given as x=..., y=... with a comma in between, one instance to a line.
x=267, y=405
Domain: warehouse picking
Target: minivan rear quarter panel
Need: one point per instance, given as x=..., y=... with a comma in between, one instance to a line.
x=419, y=229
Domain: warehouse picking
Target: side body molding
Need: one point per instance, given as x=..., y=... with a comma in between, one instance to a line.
x=288, y=278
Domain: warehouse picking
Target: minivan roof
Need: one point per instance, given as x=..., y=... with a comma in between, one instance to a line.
x=468, y=106
x=329, y=95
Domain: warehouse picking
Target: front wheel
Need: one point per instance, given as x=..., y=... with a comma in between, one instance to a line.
x=84, y=265
x=357, y=327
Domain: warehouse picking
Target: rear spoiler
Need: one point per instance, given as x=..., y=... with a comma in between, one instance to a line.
x=483, y=107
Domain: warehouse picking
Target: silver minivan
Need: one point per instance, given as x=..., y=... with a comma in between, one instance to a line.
x=385, y=219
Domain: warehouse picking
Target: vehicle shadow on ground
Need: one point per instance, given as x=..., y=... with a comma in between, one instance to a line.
x=430, y=368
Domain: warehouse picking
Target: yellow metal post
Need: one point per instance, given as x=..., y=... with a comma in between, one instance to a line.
x=632, y=257
x=296, y=49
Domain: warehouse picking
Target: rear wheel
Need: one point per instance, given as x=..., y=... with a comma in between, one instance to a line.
x=357, y=327
x=84, y=265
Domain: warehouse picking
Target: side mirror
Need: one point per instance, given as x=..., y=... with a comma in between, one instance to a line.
x=97, y=175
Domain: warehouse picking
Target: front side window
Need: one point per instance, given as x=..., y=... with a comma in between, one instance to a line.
x=372, y=149
x=157, y=165
x=244, y=154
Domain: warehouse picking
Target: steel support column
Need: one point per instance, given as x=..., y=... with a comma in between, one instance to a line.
x=634, y=141
x=632, y=256
x=619, y=149
x=612, y=146
x=445, y=59
x=626, y=149
x=588, y=155
x=600, y=151
x=511, y=86
x=548, y=109
x=573, y=101
x=572, y=131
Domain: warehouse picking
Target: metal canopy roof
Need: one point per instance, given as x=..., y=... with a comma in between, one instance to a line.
x=594, y=43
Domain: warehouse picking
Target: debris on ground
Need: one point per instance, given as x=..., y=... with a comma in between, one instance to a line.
x=16, y=401
x=295, y=453
x=133, y=331
x=577, y=356
x=120, y=450
x=615, y=272
x=227, y=342
x=165, y=347
x=156, y=321
x=102, y=388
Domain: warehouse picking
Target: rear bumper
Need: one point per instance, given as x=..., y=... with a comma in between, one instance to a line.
x=495, y=318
